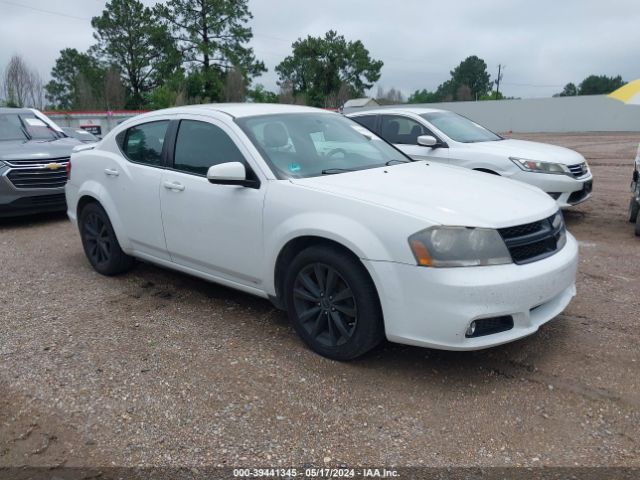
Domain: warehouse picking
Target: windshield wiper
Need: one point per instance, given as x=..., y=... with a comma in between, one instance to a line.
x=395, y=160
x=333, y=171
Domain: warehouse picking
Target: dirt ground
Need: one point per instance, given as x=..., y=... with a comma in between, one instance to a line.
x=156, y=368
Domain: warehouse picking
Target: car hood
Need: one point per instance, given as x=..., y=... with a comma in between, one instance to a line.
x=441, y=194
x=529, y=150
x=37, y=149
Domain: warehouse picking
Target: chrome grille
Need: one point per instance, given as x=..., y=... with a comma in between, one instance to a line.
x=38, y=174
x=534, y=241
x=579, y=169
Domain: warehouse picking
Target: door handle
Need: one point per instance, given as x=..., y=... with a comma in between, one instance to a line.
x=175, y=186
x=111, y=172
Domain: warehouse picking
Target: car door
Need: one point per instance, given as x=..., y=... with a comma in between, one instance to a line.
x=215, y=229
x=404, y=131
x=134, y=185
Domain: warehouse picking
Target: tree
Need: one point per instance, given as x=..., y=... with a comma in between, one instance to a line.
x=569, y=90
x=319, y=66
x=234, y=87
x=212, y=37
x=472, y=74
x=130, y=37
x=261, y=95
x=423, y=96
x=71, y=71
x=390, y=97
x=22, y=85
x=600, y=84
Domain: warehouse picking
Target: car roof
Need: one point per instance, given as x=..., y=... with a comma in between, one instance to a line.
x=416, y=110
x=14, y=110
x=238, y=110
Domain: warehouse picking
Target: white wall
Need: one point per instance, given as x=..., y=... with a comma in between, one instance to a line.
x=593, y=113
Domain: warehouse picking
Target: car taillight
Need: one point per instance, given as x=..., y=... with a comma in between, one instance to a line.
x=68, y=168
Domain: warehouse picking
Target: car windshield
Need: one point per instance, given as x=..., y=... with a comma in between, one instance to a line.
x=301, y=145
x=459, y=128
x=25, y=126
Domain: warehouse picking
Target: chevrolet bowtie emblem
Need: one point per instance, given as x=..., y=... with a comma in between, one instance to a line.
x=53, y=166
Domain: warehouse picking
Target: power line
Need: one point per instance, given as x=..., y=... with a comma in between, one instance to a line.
x=51, y=12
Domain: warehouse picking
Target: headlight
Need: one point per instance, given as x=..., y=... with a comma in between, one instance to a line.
x=540, y=167
x=458, y=247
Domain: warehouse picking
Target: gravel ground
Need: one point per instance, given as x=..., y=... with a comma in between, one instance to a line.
x=156, y=368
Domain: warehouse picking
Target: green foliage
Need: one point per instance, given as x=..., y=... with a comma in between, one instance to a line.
x=130, y=37
x=600, y=84
x=423, y=96
x=72, y=70
x=261, y=95
x=471, y=73
x=212, y=36
x=569, y=90
x=320, y=66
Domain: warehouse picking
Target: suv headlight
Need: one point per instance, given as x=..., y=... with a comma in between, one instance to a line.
x=540, y=167
x=458, y=247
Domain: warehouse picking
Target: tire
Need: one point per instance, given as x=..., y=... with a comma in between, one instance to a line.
x=333, y=304
x=638, y=226
x=100, y=242
x=634, y=208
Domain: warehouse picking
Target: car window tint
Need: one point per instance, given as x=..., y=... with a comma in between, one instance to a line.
x=368, y=121
x=200, y=145
x=144, y=142
x=403, y=130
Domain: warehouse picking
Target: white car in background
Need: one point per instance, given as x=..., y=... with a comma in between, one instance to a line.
x=304, y=207
x=446, y=137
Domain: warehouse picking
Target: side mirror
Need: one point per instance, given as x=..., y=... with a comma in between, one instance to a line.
x=230, y=173
x=427, y=141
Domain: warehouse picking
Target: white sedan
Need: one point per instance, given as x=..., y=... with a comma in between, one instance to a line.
x=309, y=209
x=446, y=137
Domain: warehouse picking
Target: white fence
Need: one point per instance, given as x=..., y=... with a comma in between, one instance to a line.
x=593, y=113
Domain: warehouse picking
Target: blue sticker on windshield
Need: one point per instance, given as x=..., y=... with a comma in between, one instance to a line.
x=294, y=167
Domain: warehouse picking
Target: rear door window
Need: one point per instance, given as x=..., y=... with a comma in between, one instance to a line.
x=144, y=143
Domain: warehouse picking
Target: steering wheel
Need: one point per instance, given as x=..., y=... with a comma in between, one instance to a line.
x=336, y=151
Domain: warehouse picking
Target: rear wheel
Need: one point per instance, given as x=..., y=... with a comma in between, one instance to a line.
x=100, y=243
x=333, y=304
x=634, y=208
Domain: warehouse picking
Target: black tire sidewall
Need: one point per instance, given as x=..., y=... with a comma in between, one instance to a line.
x=634, y=208
x=369, y=330
x=118, y=261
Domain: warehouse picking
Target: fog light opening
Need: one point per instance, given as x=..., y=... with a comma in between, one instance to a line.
x=471, y=330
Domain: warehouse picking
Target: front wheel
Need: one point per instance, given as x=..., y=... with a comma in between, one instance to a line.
x=333, y=303
x=100, y=243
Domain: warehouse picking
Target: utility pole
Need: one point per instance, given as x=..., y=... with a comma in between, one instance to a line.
x=497, y=81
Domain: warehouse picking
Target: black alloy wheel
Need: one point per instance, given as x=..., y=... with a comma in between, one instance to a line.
x=100, y=242
x=333, y=303
x=325, y=304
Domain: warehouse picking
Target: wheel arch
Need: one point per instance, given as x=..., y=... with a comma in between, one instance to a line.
x=93, y=192
x=292, y=248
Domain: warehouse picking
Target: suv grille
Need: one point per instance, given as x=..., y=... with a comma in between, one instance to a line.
x=534, y=241
x=578, y=170
x=38, y=174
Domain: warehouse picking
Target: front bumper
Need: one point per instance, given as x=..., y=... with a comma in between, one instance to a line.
x=566, y=190
x=433, y=307
x=15, y=201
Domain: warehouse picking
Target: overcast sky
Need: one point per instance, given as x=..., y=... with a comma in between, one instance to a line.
x=544, y=43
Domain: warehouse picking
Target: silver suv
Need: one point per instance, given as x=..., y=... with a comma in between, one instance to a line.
x=34, y=155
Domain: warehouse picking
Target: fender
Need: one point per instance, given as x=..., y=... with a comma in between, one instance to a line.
x=93, y=189
x=354, y=236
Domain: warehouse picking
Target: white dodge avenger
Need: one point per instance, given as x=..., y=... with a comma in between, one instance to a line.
x=353, y=239
x=446, y=137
